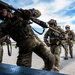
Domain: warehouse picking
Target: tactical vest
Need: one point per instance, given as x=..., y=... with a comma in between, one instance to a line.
x=70, y=34
x=53, y=36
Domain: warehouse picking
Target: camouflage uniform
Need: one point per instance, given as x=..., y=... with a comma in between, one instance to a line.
x=21, y=32
x=54, y=43
x=2, y=39
x=70, y=38
x=1, y=53
x=63, y=42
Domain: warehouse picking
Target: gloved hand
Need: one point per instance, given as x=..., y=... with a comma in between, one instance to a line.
x=35, y=13
x=26, y=14
x=71, y=41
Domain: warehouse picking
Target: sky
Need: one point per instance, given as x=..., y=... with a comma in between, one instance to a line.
x=63, y=11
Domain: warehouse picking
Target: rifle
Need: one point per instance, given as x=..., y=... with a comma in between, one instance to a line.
x=39, y=22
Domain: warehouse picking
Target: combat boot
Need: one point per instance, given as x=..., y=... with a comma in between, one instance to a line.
x=66, y=58
x=71, y=56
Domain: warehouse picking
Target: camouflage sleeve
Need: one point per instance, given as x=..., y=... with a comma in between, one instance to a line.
x=46, y=37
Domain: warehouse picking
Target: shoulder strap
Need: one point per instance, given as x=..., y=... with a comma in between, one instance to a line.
x=39, y=32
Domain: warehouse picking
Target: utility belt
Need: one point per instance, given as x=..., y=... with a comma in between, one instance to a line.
x=70, y=38
x=55, y=44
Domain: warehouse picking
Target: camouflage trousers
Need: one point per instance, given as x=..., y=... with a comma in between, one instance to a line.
x=1, y=53
x=56, y=50
x=25, y=59
x=69, y=47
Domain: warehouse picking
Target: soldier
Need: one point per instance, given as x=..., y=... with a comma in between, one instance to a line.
x=20, y=31
x=70, y=40
x=2, y=40
x=64, y=39
x=1, y=51
x=1, y=48
x=54, y=42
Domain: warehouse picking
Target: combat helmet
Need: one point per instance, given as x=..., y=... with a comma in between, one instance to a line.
x=67, y=26
x=52, y=21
